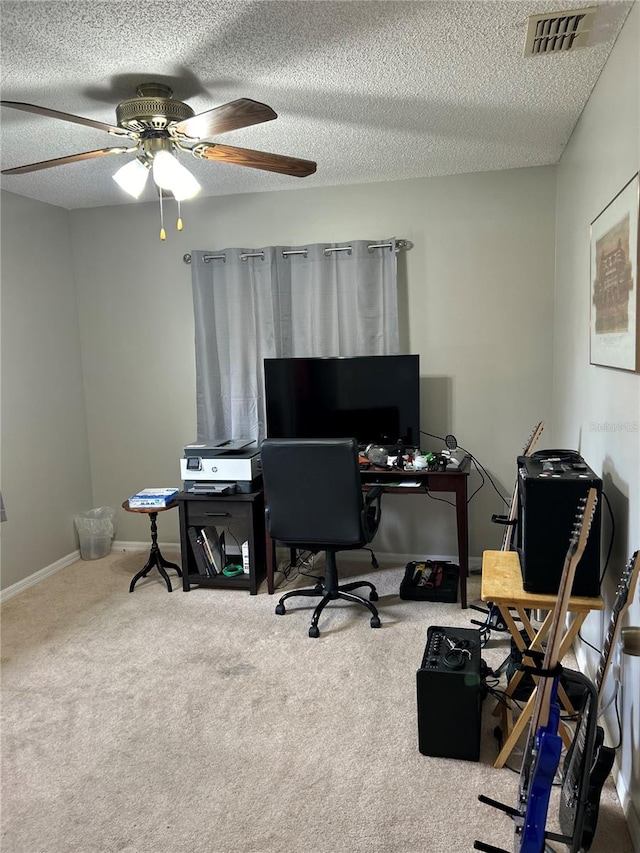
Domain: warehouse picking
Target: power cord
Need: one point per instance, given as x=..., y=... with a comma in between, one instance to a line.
x=482, y=471
x=611, y=538
x=604, y=570
x=288, y=569
x=374, y=561
x=617, y=709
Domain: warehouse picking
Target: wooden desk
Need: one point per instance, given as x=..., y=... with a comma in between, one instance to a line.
x=453, y=481
x=502, y=585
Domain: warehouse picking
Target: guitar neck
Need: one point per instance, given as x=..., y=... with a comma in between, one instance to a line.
x=624, y=597
x=605, y=658
x=577, y=545
x=507, y=536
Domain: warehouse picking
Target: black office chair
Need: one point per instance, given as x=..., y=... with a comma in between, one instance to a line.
x=314, y=502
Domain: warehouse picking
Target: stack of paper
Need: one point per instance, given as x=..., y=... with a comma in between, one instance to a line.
x=149, y=498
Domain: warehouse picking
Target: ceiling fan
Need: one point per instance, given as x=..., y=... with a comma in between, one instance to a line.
x=159, y=127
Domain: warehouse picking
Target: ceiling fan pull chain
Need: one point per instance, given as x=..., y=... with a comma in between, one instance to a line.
x=163, y=233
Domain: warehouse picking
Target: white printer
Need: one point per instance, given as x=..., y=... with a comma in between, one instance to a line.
x=221, y=466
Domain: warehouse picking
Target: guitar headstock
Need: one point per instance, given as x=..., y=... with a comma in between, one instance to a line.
x=533, y=438
x=582, y=524
x=627, y=584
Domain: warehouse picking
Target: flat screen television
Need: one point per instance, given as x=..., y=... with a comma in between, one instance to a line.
x=375, y=399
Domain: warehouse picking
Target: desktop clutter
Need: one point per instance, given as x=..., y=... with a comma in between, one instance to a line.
x=404, y=458
x=428, y=580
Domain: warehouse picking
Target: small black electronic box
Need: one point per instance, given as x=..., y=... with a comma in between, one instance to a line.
x=449, y=694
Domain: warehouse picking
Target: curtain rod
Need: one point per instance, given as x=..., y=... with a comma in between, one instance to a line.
x=399, y=245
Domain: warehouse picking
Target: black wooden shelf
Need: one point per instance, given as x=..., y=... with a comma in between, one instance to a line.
x=245, y=510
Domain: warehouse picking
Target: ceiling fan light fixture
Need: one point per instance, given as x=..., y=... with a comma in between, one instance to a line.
x=171, y=175
x=158, y=126
x=132, y=177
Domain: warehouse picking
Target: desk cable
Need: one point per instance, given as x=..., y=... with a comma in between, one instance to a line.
x=482, y=471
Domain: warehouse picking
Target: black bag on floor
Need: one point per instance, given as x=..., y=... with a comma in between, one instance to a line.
x=430, y=580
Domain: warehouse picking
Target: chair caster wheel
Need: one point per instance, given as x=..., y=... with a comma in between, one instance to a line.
x=280, y=611
x=373, y=595
x=375, y=622
x=313, y=631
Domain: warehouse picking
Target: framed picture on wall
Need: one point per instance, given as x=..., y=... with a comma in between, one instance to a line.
x=615, y=306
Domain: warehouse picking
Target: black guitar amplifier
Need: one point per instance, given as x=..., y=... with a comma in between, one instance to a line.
x=449, y=697
x=549, y=490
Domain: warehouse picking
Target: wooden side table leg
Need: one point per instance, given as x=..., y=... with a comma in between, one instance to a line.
x=164, y=575
x=155, y=559
x=167, y=565
x=141, y=574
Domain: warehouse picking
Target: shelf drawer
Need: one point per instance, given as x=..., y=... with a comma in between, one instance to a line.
x=216, y=512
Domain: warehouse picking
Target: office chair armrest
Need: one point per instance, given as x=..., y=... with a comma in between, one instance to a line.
x=372, y=497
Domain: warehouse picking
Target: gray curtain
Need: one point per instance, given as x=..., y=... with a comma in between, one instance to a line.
x=283, y=301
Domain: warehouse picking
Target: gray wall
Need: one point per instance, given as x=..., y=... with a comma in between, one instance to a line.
x=597, y=408
x=477, y=302
x=45, y=454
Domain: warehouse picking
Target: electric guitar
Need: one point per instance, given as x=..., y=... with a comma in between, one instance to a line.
x=579, y=808
x=542, y=755
x=544, y=744
x=511, y=520
x=494, y=620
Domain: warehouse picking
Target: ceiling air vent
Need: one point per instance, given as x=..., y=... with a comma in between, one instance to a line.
x=558, y=32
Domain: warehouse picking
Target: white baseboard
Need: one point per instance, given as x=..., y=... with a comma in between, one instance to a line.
x=36, y=577
x=63, y=562
x=475, y=563
x=628, y=807
x=117, y=545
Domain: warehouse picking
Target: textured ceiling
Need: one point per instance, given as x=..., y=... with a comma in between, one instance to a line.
x=372, y=91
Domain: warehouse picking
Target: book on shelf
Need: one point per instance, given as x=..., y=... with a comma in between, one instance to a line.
x=214, y=544
x=199, y=553
x=149, y=498
x=208, y=551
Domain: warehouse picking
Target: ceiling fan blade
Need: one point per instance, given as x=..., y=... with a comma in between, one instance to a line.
x=62, y=161
x=255, y=159
x=232, y=116
x=89, y=122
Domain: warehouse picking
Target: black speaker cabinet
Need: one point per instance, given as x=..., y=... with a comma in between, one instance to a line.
x=449, y=698
x=549, y=491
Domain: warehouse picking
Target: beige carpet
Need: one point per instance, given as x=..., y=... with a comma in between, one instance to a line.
x=203, y=723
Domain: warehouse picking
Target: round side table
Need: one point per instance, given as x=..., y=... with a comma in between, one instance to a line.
x=155, y=557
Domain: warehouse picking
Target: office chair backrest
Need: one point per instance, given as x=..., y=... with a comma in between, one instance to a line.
x=313, y=491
